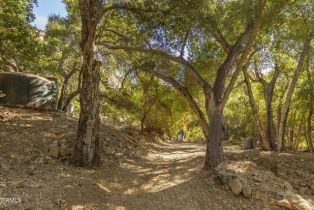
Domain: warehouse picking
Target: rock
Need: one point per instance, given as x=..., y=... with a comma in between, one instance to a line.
x=297, y=202
x=64, y=151
x=118, y=155
x=5, y=166
x=235, y=186
x=281, y=175
x=305, y=191
x=30, y=172
x=225, y=177
x=246, y=189
x=77, y=207
x=249, y=166
x=281, y=193
x=287, y=186
x=138, y=153
x=256, y=179
x=54, y=150
x=42, y=161
x=3, y=185
x=108, y=150
x=284, y=203
x=209, y=181
x=18, y=184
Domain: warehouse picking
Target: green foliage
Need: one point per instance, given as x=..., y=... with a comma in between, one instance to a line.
x=20, y=48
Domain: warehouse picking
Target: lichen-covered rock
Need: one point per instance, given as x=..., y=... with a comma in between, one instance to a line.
x=235, y=186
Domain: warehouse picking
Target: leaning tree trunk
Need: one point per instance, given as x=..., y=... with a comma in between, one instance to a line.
x=285, y=110
x=310, y=105
x=258, y=122
x=63, y=93
x=86, y=150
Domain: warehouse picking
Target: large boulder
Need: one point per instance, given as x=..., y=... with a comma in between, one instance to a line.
x=18, y=88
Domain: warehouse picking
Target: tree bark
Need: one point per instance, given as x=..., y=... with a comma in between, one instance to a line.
x=292, y=130
x=255, y=111
x=285, y=110
x=291, y=137
x=269, y=92
x=310, y=105
x=65, y=99
x=299, y=134
x=62, y=95
x=86, y=148
x=309, y=128
x=216, y=134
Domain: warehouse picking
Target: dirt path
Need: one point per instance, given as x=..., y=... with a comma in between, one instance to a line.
x=167, y=178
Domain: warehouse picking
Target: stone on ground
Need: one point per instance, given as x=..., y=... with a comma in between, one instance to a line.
x=287, y=186
x=296, y=201
x=235, y=186
x=246, y=188
x=284, y=203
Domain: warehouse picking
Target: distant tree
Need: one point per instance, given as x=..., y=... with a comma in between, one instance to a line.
x=63, y=56
x=20, y=47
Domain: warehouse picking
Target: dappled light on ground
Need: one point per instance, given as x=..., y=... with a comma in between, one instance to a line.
x=164, y=175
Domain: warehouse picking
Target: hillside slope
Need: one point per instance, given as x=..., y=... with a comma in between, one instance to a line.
x=138, y=172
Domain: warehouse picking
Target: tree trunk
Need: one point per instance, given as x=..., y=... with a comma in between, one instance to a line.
x=215, y=136
x=299, y=134
x=86, y=150
x=259, y=125
x=62, y=94
x=309, y=129
x=285, y=110
x=69, y=98
x=269, y=91
x=310, y=104
x=142, y=122
x=292, y=130
x=291, y=138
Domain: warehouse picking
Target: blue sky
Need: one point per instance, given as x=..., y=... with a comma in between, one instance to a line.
x=46, y=8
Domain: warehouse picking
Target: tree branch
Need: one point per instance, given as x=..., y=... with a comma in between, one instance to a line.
x=166, y=55
x=251, y=39
x=150, y=68
x=216, y=33
x=185, y=42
